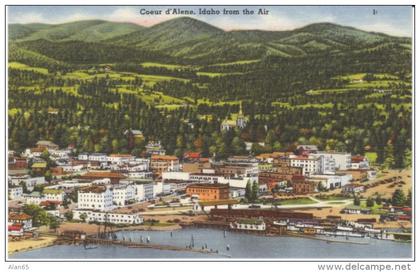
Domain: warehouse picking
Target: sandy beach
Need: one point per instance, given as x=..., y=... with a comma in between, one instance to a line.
x=29, y=244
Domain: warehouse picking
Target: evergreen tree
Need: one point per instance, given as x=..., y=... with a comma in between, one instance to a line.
x=398, y=198
x=248, y=191
x=255, y=189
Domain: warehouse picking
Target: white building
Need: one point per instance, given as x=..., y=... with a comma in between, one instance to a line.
x=249, y=224
x=175, y=175
x=15, y=193
x=122, y=194
x=29, y=182
x=100, y=157
x=144, y=191
x=332, y=181
x=342, y=160
x=83, y=157
x=120, y=158
x=309, y=164
x=96, y=198
x=53, y=195
x=109, y=217
x=139, y=175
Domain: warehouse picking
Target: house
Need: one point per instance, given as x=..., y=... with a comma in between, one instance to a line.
x=352, y=188
x=306, y=149
x=53, y=194
x=155, y=148
x=97, y=197
x=359, y=162
x=248, y=225
x=15, y=192
x=39, y=167
x=208, y=192
x=20, y=218
x=33, y=198
x=47, y=145
x=15, y=230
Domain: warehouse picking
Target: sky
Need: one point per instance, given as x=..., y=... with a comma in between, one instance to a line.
x=392, y=20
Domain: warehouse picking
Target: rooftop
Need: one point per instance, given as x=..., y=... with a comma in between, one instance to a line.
x=93, y=189
x=19, y=216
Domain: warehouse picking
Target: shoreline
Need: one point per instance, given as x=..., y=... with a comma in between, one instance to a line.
x=30, y=244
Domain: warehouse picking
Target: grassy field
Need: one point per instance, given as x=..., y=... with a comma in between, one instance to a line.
x=240, y=62
x=166, y=65
x=24, y=67
x=297, y=201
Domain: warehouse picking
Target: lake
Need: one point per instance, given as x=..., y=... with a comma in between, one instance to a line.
x=241, y=246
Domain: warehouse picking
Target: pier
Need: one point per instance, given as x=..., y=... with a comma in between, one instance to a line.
x=131, y=244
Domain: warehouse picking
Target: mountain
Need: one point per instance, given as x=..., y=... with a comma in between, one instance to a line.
x=192, y=40
x=88, y=31
x=169, y=34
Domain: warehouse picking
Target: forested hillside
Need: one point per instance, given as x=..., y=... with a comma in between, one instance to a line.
x=86, y=82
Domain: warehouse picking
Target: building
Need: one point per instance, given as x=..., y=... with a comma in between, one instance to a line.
x=231, y=169
x=196, y=166
x=359, y=162
x=358, y=175
x=120, y=158
x=301, y=186
x=331, y=181
x=352, y=189
x=53, y=195
x=114, y=177
x=155, y=148
x=281, y=171
x=239, y=121
x=248, y=225
x=342, y=160
x=15, y=192
x=144, y=191
x=99, y=157
x=306, y=149
x=208, y=192
x=109, y=217
x=162, y=163
x=47, y=145
x=21, y=219
x=310, y=164
x=123, y=195
x=96, y=197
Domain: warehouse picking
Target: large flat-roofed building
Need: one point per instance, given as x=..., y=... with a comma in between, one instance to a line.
x=95, y=198
x=209, y=192
x=310, y=164
x=230, y=169
x=162, y=163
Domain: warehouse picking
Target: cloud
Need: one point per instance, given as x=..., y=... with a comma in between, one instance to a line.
x=25, y=17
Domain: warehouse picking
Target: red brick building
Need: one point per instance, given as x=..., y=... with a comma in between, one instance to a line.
x=209, y=192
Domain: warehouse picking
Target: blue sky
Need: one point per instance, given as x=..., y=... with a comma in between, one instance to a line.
x=394, y=20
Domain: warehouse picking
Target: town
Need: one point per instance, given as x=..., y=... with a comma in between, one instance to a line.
x=306, y=192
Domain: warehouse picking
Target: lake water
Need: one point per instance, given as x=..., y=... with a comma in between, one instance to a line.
x=241, y=246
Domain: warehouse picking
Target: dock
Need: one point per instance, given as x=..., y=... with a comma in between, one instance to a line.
x=99, y=241
x=327, y=240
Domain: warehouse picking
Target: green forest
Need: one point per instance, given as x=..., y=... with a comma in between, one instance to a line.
x=85, y=83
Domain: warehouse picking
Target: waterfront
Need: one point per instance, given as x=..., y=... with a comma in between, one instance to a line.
x=241, y=246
